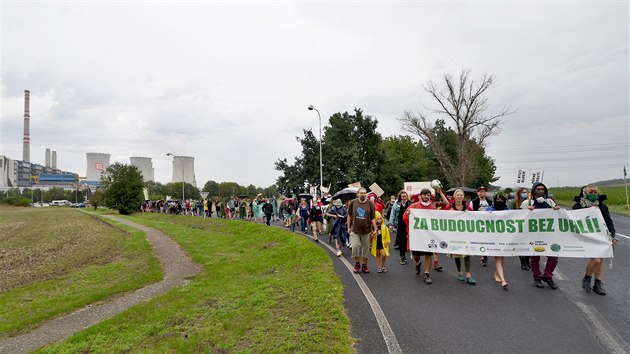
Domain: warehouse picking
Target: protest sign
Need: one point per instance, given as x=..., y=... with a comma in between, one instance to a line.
x=542, y=232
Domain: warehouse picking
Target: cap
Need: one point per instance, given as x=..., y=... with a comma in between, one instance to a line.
x=482, y=188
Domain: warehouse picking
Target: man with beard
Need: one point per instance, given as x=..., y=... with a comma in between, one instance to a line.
x=361, y=222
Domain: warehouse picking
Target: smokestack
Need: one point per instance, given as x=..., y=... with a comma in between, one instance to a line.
x=47, y=164
x=54, y=160
x=26, y=147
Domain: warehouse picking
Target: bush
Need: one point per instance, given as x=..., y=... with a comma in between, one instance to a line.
x=17, y=200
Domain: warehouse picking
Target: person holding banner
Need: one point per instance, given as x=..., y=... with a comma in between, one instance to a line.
x=590, y=198
x=424, y=203
x=521, y=195
x=482, y=203
x=459, y=204
x=541, y=200
x=396, y=221
x=499, y=203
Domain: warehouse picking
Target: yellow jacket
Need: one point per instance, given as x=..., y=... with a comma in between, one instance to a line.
x=385, y=239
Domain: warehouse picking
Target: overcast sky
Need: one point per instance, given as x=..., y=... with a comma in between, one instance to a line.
x=229, y=82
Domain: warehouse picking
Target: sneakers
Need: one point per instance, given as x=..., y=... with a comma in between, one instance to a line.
x=537, y=282
x=551, y=283
x=357, y=267
x=339, y=253
x=586, y=283
x=403, y=260
x=471, y=281
x=365, y=268
x=598, y=288
x=437, y=267
x=417, y=266
x=427, y=279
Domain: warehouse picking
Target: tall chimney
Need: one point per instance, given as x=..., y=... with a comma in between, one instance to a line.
x=54, y=160
x=26, y=147
x=47, y=164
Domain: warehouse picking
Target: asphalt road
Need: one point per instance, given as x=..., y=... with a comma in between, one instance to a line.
x=451, y=316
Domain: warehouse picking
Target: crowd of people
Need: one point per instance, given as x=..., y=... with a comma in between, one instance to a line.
x=365, y=225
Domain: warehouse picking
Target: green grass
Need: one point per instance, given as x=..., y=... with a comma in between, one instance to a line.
x=616, y=197
x=261, y=290
x=55, y=260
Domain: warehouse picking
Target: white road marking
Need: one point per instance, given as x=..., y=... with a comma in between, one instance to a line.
x=388, y=334
x=624, y=236
x=603, y=331
x=559, y=275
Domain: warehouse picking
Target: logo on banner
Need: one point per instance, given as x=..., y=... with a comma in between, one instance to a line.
x=443, y=244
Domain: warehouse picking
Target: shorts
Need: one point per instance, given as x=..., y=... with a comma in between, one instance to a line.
x=360, y=244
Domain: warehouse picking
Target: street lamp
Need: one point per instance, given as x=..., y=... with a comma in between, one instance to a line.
x=182, y=162
x=321, y=174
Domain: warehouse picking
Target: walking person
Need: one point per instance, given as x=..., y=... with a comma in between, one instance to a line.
x=380, y=243
x=520, y=196
x=499, y=203
x=361, y=223
x=267, y=209
x=396, y=222
x=482, y=203
x=459, y=204
x=303, y=214
x=590, y=198
x=339, y=229
x=317, y=218
x=541, y=200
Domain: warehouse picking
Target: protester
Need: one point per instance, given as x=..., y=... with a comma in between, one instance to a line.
x=424, y=203
x=360, y=223
x=293, y=219
x=459, y=204
x=499, y=203
x=396, y=222
x=541, y=200
x=339, y=229
x=521, y=195
x=482, y=203
x=242, y=209
x=267, y=209
x=388, y=207
x=590, y=198
x=380, y=243
x=317, y=218
x=303, y=211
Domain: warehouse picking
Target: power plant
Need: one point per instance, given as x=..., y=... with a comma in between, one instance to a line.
x=145, y=166
x=184, y=169
x=26, y=144
x=97, y=163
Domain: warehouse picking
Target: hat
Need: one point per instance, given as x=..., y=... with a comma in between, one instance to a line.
x=337, y=202
x=482, y=188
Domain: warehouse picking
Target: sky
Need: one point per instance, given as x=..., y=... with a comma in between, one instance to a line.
x=229, y=82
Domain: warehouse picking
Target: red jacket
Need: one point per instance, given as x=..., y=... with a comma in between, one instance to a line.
x=416, y=205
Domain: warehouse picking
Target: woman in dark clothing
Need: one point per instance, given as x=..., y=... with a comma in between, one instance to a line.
x=588, y=198
x=402, y=234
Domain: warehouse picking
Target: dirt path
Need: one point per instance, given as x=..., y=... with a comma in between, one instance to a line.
x=177, y=267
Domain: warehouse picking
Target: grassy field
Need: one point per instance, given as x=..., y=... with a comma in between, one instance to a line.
x=616, y=197
x=261, y=290
x=55, y=260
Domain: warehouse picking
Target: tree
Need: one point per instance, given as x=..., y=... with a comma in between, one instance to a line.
x=405, y=160
x=122, y=187
x=97, y=198
x=155, y=188
x=174, y=190
x=463, y=102
x=211, y=187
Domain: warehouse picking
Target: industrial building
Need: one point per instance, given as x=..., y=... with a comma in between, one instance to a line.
x=97, y=163
x=184, y=169
x=145, y=166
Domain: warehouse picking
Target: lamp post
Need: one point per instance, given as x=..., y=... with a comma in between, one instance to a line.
x=182, y=162
x=321, y=164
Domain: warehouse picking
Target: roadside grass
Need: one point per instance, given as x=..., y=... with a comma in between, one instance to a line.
x=261, y=290
x=616, y=197
x=55, y=260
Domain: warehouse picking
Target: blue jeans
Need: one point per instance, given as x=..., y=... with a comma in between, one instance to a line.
x=303, y=224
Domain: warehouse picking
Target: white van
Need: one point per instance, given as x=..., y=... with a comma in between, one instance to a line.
x=61, y=202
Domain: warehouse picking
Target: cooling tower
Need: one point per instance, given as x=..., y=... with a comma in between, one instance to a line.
x=145, y=165
x=47, y=164
x=97, y=163
x=26, y=145
x=54, y=160
x=184, y=167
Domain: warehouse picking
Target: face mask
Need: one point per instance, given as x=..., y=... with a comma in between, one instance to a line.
x=540, y=200
x=425, y=203
x=523, y=195
x=592, y=197
x=362, y=198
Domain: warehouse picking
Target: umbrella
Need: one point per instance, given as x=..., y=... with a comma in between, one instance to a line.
x=305, y=196
x=467, y=191
x=346, y=194
x=287, y=201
